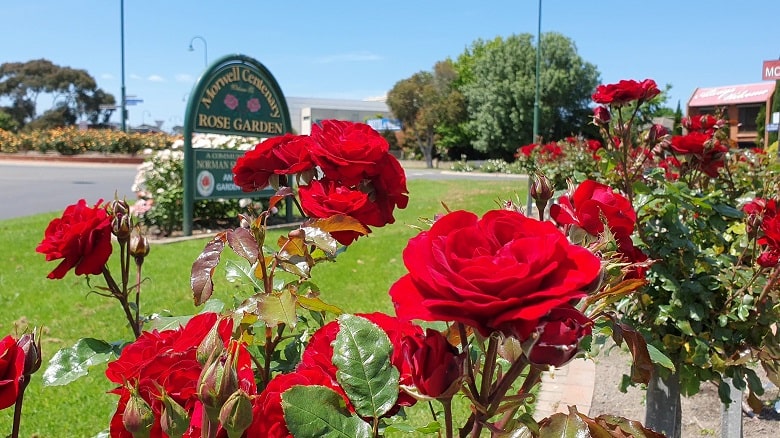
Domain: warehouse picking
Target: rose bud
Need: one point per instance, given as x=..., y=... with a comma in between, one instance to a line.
x=211, y=346
x=174, y=419
x=120, y=226
x=32, y=353
x=541, y=191
x=236, y=414
x=217, y=381
x=436, y=366
x=656, y=134
x=559, y=335
x=118, y=207
x=601, y=115
x=139, y=245
x=138, y=417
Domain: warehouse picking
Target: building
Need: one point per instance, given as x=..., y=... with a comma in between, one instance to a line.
x=739, y=104
x=305, y=111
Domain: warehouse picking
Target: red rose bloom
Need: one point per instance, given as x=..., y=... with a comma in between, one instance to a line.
x=284, y=155
x=388, y=188
x=625, y=91
x=319, y=351
x=526, y=150
x=589, y=203
x=560, y=333
x=704, y=153
x=11, y=371
x=81, y=237
x=267, y=413
x=502, y=271
x=168, y=359
x=347, y=152
x=322, y=199
x=434, y=363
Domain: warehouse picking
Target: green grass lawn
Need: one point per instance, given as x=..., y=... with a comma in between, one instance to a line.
x=357, y=282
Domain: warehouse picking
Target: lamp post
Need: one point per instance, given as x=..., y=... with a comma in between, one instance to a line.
x=205, y=49
x=536, y=96
x=123, y=114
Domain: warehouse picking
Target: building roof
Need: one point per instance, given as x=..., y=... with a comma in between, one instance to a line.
x=732, y=94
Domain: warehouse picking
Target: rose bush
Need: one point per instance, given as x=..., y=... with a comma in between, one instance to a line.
x=711, y=299
x=501, y=297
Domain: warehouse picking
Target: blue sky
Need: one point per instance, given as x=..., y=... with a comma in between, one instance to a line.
x=360, y=49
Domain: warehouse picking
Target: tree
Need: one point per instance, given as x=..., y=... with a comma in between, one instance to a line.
x=426, y=104
x=500, y=95
x=677, y=130
x=74, y=93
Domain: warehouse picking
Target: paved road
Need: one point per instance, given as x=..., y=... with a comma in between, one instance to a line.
x=32, y=187
x=28, y=187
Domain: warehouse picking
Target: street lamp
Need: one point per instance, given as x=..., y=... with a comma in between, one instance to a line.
x=536, y=97
x=123, y=114
x=205, y=49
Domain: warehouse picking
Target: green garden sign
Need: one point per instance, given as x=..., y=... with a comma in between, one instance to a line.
x=236, y=95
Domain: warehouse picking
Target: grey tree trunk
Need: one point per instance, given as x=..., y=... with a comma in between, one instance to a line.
x=664, y=411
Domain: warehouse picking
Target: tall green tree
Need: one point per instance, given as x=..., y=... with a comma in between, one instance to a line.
x=74, y=93
x=500, y=93
x=427, y=104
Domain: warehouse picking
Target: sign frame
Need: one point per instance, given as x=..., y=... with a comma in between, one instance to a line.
x=772, y=65
x=268, y=111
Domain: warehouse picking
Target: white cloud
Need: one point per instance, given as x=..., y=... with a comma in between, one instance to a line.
x=108, y=76
x=348, y=57
x=135, y=76
x=155, y=78
x=184, y=77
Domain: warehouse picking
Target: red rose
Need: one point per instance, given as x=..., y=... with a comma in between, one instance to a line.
x=671, y=168
x=319, y=351
x=267, y=413
x=526, y=150
x=284, y=155
x=625, y=91
x=82, y=237
x=705, y=153
x=11, y=371
x=601, y=115
x=589, y=203
x=168, y=359
x=322, y=199
x=705, y=123
x=388, y=187
x=435, y=365
x=347, y=152
x=594, y=145
x=692, y=143
x=493, y=273
x=560, y=333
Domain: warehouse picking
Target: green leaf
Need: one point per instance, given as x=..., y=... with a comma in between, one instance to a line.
x=563, y=426
x=429, y=429
x=236, y=272
x=328, y=417
x=361, y=352
x=73, y=362
x=658, y=358
x=728, y=211
x=273, y=308
x=317, y=305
